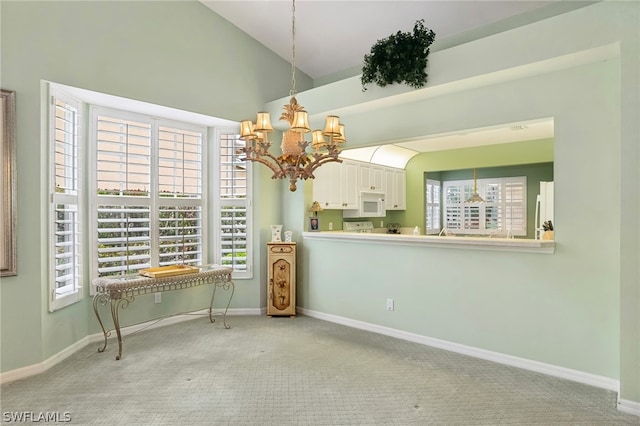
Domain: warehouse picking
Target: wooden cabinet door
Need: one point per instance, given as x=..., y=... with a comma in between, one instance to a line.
x=281, y=285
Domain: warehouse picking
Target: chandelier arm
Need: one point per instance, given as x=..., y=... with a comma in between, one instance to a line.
x=319, y=161
x=254, y=155
x=294, y=163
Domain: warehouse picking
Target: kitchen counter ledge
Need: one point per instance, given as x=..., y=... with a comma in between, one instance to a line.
x=469, y=243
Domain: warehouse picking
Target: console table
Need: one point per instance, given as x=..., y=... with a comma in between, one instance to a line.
x=120, y=292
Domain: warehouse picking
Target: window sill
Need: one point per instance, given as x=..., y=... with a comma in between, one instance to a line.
x=469, y=243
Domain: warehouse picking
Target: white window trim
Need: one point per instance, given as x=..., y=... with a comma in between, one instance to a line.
x=433, y=230
x=85, y=99
x=154, y=200
x=59, y=302
x=215, y=200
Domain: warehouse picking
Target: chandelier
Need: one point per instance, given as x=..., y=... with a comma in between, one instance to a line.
x=295, y=162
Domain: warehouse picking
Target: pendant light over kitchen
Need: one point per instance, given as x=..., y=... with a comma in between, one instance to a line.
x=475, y=197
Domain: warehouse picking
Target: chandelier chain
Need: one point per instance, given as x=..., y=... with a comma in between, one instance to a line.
x=292, y=92
x=295, y=162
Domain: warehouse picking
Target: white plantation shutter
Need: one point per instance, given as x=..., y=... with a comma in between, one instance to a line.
x=180, y=239
x=233, y=209
x=180, y=162
x=149, y=185
x=433, y=206
x=453, y=209
x=503, y=212
x=123, y=156
x=124, y=239
x=514, y=205
x=66, y=282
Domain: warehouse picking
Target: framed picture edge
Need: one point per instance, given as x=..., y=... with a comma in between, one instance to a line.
x=314, y=224
x=8, y=209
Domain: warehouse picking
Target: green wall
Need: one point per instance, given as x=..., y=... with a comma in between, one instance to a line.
x=171, y=53
x=577, y=308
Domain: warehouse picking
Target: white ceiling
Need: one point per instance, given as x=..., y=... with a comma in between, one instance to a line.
x=400, y=152
x=333, y=36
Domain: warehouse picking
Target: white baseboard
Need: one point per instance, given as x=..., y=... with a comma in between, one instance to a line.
x=629, y=407
x=527, y=364
x=32, y=370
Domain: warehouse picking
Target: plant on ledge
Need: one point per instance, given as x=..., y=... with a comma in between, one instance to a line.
x=401, y=57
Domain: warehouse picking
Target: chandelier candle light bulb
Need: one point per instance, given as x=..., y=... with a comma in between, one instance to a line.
x=295, y=162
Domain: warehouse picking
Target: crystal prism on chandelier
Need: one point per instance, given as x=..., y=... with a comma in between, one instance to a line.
x=295, y=162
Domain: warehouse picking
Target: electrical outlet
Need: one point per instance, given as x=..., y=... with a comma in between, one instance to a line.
x=158, y=297
x=389, y=304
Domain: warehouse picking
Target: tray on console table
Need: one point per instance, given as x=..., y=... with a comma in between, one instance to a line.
x=169, y=271
x=121, y=291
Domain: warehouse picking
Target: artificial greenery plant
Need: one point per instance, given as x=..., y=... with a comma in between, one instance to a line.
x=401, y=57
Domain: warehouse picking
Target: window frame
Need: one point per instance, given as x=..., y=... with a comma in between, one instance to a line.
x=247, y=202
x=466, y=214
x=431, y=207
x=153, y=200
x=76, y=291
x=86, y=205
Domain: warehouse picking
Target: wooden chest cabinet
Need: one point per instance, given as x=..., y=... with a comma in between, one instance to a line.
x=281, y=291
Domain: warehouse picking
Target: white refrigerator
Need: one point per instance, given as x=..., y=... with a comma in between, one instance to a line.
x=544, y=207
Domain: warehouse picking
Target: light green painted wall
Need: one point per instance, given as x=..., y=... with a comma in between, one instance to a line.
x=519, y=304
x=171, y=53
x=577, y=308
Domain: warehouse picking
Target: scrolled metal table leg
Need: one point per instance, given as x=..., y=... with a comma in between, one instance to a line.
x=224, y=315
x=225, y=285
x=102, y=299
x=115, y=304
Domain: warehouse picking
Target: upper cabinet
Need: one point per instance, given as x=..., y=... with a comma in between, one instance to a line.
x=395, y=184
x=371, y=177
x=337, y=186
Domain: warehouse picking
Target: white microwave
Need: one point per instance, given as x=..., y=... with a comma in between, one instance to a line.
x=370, y=204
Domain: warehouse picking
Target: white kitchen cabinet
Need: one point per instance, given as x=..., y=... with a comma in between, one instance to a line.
x=370, y=177
x=335, y=185
x=395, y=184
x=349, y=178
x=326, y=186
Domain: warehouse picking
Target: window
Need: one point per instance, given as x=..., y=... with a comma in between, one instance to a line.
x=234, y=205
x=148, y=191
x=503, y=213
x=65, y=188
x=433, y=206
x=145, y=193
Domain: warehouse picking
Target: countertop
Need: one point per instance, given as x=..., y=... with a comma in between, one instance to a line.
x=475, y=243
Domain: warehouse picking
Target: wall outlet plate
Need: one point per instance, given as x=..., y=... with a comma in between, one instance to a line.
x=158, y=297
x=390, y=305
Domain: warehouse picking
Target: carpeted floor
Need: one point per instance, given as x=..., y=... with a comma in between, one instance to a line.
x=296, y=371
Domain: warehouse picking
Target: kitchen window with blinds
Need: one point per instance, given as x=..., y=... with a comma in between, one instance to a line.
x=65, y=283
x=234, y=212
x=503, y=212
x=149, y=193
